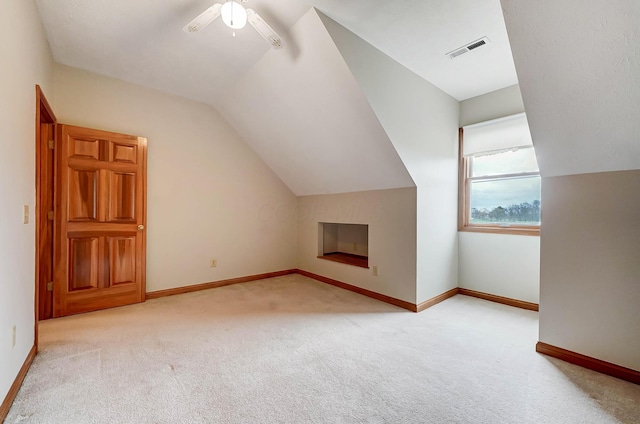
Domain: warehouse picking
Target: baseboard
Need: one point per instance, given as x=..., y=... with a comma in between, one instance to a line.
x=384, y=298
x=214, y=284
x=15, y=387
x=435, y=300
x=499, y=299
x=588, y=362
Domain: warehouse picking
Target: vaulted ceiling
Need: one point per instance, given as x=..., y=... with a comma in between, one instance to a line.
x=577, y=70
x=311, y=122
x=419, y=33
x=300, y=107
x=142, y=41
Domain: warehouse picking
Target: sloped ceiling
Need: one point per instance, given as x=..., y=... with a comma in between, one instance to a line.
x=307, y=117
x=142, y=41
x=420, y=119
x=418, y=34
x=299, y=107
x=578, y=63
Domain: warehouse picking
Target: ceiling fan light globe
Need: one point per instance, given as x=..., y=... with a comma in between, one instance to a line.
x=234, y=15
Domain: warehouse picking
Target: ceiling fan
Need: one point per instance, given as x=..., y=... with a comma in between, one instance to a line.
x=235, y=16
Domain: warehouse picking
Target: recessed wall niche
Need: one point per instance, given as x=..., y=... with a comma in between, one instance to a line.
x=344, y=243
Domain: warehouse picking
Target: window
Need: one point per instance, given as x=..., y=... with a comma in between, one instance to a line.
x=499, y=178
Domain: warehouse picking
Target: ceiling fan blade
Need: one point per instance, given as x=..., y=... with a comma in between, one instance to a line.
x=204, y=19
x=263, y=29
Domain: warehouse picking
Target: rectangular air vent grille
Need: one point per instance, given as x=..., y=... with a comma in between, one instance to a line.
x=476, y=45
x=468, y=47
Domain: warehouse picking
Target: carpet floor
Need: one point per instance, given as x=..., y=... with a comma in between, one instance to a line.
x=293, y=350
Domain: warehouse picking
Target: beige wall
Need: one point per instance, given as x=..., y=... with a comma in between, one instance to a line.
x=590, y=257
x=353, y=239
x=26, y=61
x=391, y=216
x=209, y=195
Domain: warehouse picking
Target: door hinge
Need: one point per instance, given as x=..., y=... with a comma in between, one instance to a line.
x=50, y=215
x=52, y=144
x=50, y=286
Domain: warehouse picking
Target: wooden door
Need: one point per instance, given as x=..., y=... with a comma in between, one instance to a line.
x=100, y=243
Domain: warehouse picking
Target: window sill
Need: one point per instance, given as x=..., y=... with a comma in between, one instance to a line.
x=520, y=231
x=347, y=258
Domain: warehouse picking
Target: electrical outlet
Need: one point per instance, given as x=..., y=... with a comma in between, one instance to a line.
x=213, y=263
x=375, y=270
x=25, y=214
x=13, y=336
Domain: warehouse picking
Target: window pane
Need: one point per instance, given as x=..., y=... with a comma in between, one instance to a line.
x=511, y=162
x=513, y=201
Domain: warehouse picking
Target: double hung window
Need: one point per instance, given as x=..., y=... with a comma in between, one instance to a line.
x=499, y=178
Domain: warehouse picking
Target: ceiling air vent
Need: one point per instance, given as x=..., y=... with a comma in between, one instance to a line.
x=467, y=48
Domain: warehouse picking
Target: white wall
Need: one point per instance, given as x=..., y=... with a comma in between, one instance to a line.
x=391, y=216
x=303, y=112
x=209, y=195
x=590, y=276
x=493, y=105
x=422, y=123
x=26, y=61
x=578, y=63
x=502, y=264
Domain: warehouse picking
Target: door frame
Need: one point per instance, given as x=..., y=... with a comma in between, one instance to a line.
x=44, y=184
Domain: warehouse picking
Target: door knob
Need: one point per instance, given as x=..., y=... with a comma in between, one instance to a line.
x=140, y=227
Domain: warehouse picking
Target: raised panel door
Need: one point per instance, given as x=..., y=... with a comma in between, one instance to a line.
x=100, y=243
x=82, y=201
x=81, y=148
x=122, y=264
x=83, y=263
x=122, y=198
x=124, y=152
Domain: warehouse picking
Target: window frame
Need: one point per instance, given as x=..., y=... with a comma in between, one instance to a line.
x=464, y=196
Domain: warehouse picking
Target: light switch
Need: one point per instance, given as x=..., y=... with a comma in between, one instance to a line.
x=25, y=216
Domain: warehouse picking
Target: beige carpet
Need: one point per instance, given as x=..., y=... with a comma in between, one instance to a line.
x=292, y=350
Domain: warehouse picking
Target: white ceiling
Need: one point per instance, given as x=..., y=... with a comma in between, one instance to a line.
x=419, y=33
x=579, y=74
x=312, y=124
x=142, y=41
